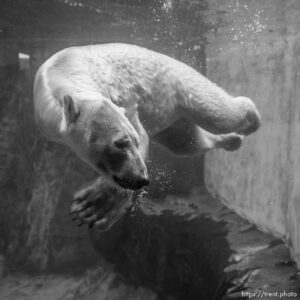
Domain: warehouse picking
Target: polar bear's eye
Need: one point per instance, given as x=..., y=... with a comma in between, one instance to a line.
x=122, y=143
x=94, y=137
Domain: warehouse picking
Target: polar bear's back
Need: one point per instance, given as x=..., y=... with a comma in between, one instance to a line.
x=123, y=71
x=129, y=76
x=121, y=64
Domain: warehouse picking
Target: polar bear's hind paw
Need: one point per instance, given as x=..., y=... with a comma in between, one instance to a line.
x=231, y=142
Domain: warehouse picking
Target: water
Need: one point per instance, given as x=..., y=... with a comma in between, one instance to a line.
x=38, y=178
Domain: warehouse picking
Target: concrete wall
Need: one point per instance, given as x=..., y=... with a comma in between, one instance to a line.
x=253, y=50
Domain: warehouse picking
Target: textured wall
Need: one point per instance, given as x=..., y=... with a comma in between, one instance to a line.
x=254, y=51
x=34, y=188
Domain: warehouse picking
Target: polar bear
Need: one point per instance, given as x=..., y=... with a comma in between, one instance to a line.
x=106, y=101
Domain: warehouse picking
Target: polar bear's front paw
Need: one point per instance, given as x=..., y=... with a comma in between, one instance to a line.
x=231, y=141
x=99, y=207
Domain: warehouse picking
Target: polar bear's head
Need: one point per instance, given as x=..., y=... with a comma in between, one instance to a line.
x=103, y=137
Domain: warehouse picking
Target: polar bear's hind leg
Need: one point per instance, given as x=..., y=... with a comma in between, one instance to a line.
x=211, y=108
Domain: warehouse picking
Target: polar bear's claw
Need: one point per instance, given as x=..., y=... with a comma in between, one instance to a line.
x=99, y=205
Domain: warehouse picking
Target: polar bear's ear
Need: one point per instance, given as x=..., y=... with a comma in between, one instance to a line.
x=71, y=110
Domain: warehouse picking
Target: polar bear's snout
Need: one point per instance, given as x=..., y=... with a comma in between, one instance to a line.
x=131, y=173
x=124, y=164
x=129, y=183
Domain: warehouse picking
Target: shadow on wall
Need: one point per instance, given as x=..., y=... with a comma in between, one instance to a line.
x=170, y=248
